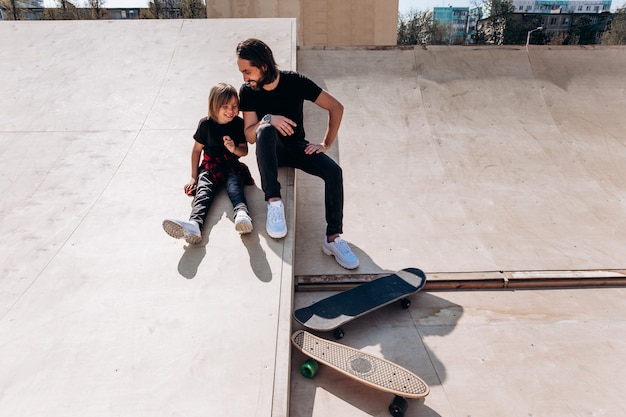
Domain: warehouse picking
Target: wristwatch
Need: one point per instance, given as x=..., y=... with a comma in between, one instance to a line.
x=267, y=118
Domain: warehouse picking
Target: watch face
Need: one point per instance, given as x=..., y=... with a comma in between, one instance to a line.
x=266, y=118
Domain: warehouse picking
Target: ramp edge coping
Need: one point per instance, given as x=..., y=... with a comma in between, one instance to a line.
x=480, y=280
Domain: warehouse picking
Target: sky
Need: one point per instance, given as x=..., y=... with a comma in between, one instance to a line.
x=426, y=5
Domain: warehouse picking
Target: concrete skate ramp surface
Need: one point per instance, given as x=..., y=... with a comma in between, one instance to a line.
x=455, y=159
x=462, y=159
x=101, y=312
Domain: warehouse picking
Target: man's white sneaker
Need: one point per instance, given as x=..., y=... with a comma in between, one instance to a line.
x=340, y=249
x=275, y=224
x=181, y=229
x=243, y=222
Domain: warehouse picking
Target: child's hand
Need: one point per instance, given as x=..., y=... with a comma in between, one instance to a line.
x=190, y=187
x=230, y=144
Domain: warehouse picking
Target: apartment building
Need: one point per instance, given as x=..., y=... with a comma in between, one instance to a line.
x=562, y=6
x=455, y=20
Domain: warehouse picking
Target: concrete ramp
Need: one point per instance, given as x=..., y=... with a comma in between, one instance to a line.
x=475, y=160
x=457, y=160
x=102, y=313
x=476, y=163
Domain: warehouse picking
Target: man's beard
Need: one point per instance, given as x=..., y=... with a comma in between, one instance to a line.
x=258, y=84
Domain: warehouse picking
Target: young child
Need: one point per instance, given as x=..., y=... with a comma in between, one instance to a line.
x=221, y=139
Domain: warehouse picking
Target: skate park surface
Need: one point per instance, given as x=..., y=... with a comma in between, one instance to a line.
x=499, y=171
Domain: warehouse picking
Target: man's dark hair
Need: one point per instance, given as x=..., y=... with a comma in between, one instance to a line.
x=260, y=56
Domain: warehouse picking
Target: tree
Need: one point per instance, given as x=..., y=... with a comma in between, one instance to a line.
x=582, y=32
x=414, y=27
x=193, y=9
x=14, y=11
x=152, y=12
x=498, y=13
x=616, y=33
x=97, y=9
x=65, y=10
x=558, y=39
x=518, y=26
x=165, y=9
x=440, y=34
x=155, y=11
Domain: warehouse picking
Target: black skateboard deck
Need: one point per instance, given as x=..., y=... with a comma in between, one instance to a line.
x=333, y=312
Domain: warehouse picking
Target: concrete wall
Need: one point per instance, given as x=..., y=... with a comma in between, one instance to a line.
x=322, y=22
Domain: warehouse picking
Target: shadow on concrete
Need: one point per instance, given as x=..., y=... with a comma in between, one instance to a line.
x=221, y=208
x=401, y=336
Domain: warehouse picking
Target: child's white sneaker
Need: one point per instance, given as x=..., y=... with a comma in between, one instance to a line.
x=243, y=222
x=179, y=229
x=340, y=249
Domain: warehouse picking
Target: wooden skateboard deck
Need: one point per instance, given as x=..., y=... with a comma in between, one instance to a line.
x=372, y=371
x=332, y=312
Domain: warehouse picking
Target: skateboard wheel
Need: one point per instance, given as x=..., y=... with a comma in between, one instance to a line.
x=398, y=407
x=309, y=368
x=338, y=333
x=405, y=303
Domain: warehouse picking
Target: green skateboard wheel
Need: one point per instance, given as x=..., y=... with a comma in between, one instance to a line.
x=309, y=368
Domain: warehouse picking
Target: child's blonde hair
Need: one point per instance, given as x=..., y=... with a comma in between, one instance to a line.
x=221, y=94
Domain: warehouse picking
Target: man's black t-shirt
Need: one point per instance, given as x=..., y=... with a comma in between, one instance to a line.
x=211, y=135
x=286, y=99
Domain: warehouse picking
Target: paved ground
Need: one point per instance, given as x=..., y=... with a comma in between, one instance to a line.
x=486, y=167
x=540, y=353
x=102, y=313
x=477, y=159
x=474, y=164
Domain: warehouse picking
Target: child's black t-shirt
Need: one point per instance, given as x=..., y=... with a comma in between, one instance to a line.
x=211, y=135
